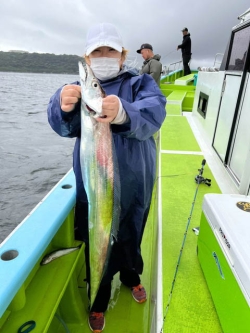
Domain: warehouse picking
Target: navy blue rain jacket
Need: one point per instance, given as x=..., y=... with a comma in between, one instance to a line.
x=135, y=148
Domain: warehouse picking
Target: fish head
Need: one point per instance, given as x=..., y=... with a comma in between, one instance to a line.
x=45, y=260
x=92, y=92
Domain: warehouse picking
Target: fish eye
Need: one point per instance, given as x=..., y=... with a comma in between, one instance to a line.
x=94, y=84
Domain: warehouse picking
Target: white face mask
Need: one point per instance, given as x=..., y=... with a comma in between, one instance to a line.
x=105, y=68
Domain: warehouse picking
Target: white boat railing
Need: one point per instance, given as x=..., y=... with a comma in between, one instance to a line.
x=216, y=61
x=167, y=69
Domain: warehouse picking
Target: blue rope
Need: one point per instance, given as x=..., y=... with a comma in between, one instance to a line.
x=63, y=323
x=28, y=326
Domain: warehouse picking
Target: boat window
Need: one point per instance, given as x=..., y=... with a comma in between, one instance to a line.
x=202, y=104
x=239, y=49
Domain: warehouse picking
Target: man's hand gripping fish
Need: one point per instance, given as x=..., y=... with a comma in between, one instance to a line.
x=100, y=177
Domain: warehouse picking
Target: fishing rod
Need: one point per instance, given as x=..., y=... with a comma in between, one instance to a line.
x=199, y=179
x=168, y=53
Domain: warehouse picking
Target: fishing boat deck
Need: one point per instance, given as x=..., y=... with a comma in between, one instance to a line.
x=190, y=309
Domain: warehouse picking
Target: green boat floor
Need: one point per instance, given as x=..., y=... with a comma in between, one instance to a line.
x=191, y=308
x=176, y=134
x=173, y=109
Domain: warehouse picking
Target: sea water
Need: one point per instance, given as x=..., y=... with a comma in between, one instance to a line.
x=33, y=158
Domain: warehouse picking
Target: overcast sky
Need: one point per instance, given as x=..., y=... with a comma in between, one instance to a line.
x=59, y=26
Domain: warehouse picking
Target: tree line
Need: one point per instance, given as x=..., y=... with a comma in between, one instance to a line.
x=39, y=63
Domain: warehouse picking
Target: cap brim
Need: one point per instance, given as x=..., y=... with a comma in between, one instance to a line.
x=104, y=43
x=138, y=51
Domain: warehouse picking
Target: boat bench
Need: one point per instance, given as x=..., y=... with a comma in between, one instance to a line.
x=176, y=97
x=33, y=292
x=184, y=80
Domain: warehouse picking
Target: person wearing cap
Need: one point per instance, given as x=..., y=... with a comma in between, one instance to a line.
x=151, y=64
x=186, y=51
x=135, y=108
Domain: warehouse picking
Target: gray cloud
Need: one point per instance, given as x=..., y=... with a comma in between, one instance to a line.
x=60, y=26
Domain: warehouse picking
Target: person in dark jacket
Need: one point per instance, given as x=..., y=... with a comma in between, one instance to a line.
x=135, y=108
x=186, y=50
x=151, y=65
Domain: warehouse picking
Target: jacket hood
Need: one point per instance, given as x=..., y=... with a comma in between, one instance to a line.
x=156, y=57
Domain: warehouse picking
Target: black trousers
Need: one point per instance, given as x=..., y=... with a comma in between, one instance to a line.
x=128, y=278
x=122, y=260
x=186, y=59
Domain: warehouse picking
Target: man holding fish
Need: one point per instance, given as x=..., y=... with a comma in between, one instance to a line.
x=114, y=113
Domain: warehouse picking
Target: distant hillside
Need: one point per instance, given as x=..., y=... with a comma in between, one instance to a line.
x=39, y=63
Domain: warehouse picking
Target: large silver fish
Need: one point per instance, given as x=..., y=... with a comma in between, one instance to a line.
x=100, y=177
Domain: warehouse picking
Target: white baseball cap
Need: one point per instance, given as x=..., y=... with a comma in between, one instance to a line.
x=103, y=34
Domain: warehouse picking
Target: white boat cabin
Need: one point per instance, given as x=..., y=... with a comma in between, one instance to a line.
x=222, y=107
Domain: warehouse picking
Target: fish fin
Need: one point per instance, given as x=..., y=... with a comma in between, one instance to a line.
x=82, y=71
